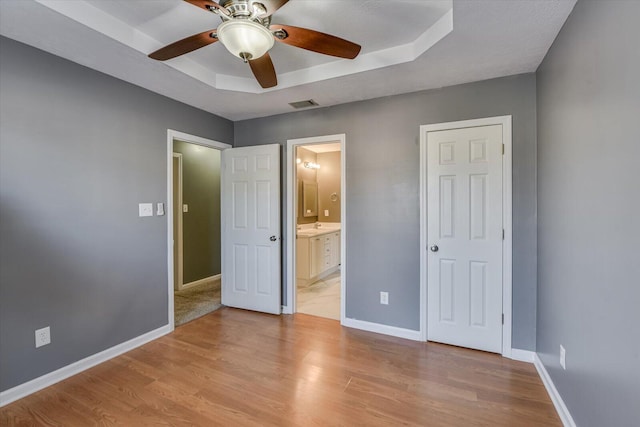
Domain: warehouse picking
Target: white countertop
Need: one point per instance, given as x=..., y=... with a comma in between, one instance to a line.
x=312, y=231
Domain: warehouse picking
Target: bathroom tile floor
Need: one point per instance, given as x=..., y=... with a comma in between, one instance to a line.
x=321, y=298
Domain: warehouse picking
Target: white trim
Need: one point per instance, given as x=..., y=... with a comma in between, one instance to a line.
x=379, y=328
x=523, y=355
x=507, y=177
x=201, y=281
x=561, y=408
x=423, y=234
x=25, y=389
x=180, y=136
x=290, y=273
x=180, y=285
x=507, y=243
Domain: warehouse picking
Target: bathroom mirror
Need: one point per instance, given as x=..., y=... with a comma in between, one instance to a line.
x=309, y=199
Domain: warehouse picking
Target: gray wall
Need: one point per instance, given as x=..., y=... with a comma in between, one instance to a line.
x=78, y=151
x=201, y=225
x=382, y=185
x=589, y=213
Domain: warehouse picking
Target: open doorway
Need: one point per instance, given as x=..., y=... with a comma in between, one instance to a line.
x=194, y=226
x=196, y=208
x=315, y=240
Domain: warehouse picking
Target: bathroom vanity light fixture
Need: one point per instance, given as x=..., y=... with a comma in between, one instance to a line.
x=311, y=165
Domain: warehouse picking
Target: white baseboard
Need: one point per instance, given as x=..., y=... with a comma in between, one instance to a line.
x=25, y=389
x=561, y=408
x=523, y=355
x=382, y=329
x=200, y=282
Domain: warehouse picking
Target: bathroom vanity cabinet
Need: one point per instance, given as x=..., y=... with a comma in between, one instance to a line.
x=317, y=254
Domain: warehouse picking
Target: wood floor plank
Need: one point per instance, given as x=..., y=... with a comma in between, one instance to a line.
x=239, y=368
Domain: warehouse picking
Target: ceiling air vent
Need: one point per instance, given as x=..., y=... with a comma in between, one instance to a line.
x=304, y=104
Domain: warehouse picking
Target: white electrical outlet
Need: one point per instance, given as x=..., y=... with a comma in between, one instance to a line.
x=43, y=337
x=384, y=298
x=145, y=209
x=563, y=357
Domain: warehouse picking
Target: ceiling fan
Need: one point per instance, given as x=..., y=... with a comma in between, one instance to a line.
x=247, y=32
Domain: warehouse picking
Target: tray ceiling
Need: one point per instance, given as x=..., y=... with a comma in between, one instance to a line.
x=407, y=45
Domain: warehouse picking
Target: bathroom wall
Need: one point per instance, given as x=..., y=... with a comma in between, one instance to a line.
x=329, y=183
x=201, y=224
x=305, y=174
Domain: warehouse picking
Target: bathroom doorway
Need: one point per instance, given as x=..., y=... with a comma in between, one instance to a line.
x=315, y=240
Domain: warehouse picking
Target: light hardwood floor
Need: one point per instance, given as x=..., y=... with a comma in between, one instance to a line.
x=237, y=368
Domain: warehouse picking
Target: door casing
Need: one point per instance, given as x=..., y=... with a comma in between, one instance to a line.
x=507, y=245
x=292, y=195
x=173, y=135
x=178, y=243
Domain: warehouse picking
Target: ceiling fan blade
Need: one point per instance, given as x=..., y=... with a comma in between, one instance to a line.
x=272, y=5
x=184, y=46
x=316, y=41
x=264, y=71
x=208, y=5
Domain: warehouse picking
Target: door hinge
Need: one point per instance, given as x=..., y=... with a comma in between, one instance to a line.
x=503, y=149
x=503, y=318
x=503, y=234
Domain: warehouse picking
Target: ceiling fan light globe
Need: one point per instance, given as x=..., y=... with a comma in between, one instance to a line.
x=244, y=38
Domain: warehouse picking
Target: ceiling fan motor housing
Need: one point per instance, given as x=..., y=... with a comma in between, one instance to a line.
x=246, y=9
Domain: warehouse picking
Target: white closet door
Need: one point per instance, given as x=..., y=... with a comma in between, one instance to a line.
x=464, y=290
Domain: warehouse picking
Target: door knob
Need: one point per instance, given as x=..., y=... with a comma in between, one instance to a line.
x=434, y=248
x=273, y=238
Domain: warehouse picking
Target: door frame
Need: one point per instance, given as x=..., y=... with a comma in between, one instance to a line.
x=507, y=245
x=174, y=135
x=180, y=235
x=290, y=231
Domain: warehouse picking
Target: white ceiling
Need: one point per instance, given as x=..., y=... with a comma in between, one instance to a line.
x=407, y=45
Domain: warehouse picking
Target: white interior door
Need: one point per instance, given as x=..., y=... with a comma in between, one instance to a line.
x=464, y=233
x=251, y=228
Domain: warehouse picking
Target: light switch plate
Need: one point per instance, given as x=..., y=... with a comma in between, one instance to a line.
x=384, y=298
x=326, y=212
x=160, y=209
x=185, y=208
x=145, y=209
